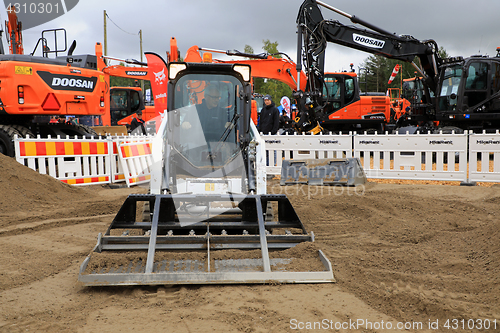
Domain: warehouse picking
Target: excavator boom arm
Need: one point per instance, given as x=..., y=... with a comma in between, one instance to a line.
x=274, y=68
x=317, y=32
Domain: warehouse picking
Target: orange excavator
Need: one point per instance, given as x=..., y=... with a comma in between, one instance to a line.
x=37, y=89
x=126, y=101
x=39, y=94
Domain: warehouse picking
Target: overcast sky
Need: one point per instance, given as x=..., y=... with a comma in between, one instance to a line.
x=461, y=27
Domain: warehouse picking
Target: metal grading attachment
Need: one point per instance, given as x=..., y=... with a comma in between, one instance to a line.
x=336, y=171
x=205, y=239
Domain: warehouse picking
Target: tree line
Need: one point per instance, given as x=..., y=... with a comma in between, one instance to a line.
x=375, y=71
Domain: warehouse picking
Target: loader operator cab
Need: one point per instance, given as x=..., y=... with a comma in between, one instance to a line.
x=208, y=112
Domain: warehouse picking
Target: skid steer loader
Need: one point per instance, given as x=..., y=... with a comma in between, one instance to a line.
x=207, y=218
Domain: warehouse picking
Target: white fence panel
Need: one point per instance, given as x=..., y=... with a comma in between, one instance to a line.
x=413, y=156
x=484, y=157
x=73, y=161
x=384, y=156
x=300, y=147
x=136, y=160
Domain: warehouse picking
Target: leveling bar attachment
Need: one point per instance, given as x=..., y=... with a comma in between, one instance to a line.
x=190, y=239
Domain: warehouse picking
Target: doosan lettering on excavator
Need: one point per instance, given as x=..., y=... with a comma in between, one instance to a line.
x=370, y=42
x=78, y=83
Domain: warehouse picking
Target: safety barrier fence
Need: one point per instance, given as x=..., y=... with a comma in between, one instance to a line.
x=468, y=157
x=88, y=161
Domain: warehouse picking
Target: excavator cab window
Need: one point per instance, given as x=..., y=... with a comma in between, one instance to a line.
x=339, y=90
x=135, y=101
x=349, y=90
x=447, y=99
x=476, y=83
x=333, y=91
x=124, y=102
x=119, y=100
x=495, y=84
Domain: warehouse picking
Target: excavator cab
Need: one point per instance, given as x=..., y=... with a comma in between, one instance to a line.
x=468, y=93
x=125, y=101
x=339, y=90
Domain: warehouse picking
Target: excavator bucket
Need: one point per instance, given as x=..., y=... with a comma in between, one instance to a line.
x=205, y=239
x=336, y=171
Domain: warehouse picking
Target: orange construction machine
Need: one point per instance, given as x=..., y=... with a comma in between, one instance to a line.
x=37, y=93
x=346, y=108
x=34, y=90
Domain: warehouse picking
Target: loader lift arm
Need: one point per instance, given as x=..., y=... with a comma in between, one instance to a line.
x=313, y=34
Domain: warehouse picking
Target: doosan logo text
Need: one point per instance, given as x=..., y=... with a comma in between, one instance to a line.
x=368, y=41
x=68, y=82
x=77, y=83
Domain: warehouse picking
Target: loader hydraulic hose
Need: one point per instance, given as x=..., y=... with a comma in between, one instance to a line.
x=357, y=20
x=298, y=66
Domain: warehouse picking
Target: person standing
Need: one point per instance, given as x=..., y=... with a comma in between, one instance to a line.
x=138, y=122
x=269, y=121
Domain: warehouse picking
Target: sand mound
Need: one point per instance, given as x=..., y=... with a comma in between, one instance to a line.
x=22, y=187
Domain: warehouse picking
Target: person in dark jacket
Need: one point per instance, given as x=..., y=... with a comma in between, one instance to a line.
x=269, y=120
x=138, y=122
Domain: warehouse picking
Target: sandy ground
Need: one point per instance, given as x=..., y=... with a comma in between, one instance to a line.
x=404, y=254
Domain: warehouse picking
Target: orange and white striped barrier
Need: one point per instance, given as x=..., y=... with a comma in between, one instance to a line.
x=87, y=161
x=135, y=160
x=72, y=161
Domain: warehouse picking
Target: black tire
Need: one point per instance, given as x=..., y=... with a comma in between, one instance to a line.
x=24, y=131
x=7, y=140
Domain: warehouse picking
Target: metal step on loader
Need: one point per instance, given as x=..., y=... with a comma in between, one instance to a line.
x=207, y=218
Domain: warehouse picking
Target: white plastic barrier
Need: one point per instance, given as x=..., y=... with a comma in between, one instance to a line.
x=135, y=160
x=464, y=157
x=484, y=157
x=413, y=156
x=391, y=156
x=75, y=161
x=305, y=147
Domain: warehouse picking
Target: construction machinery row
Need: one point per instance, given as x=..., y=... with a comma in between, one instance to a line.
x=456, y=93
x=37, y=91
x=453, y=94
